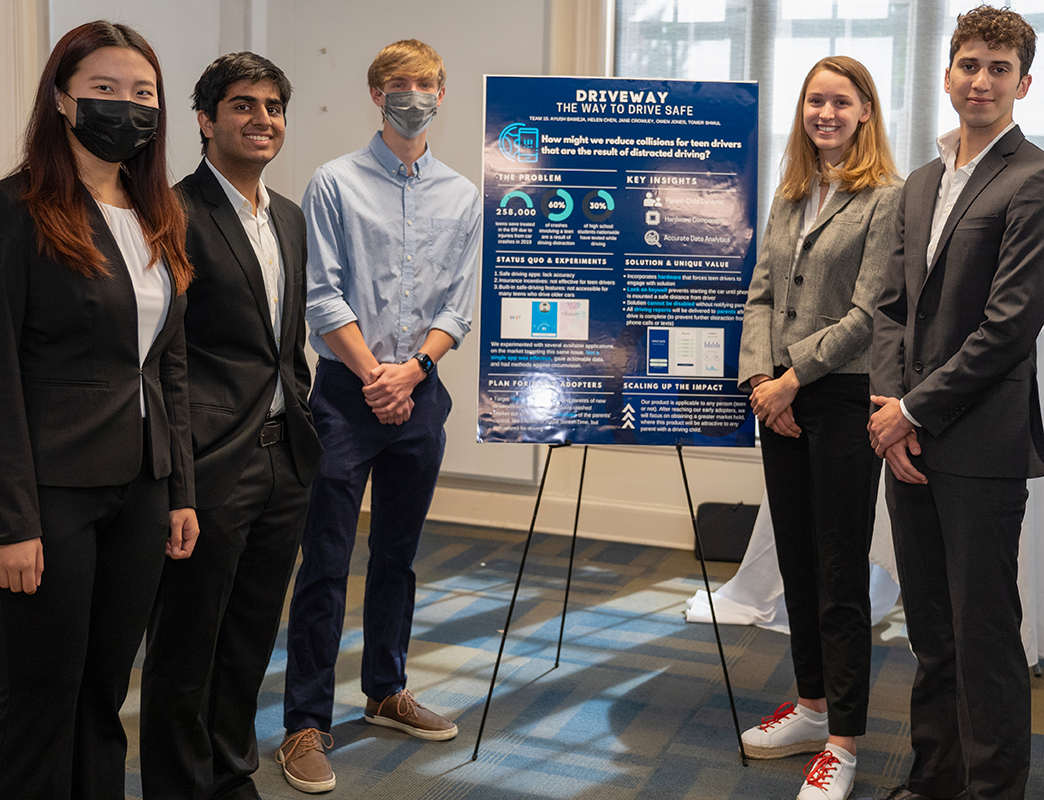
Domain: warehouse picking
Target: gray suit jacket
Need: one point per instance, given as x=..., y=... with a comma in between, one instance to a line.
x=958, y=343
x=818, y=321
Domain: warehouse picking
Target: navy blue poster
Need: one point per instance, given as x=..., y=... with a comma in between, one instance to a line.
x=618, y=244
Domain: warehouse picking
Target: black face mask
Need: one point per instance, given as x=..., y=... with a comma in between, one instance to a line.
x=114, y=130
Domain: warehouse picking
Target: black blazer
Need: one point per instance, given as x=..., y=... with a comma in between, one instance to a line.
x=232, y=356
x=70, y=413
x=959, y=342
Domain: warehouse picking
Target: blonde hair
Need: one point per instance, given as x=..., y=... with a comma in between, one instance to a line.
x=868, y=160
x=407, y=58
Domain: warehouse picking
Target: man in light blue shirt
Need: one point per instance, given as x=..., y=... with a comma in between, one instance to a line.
x=393, y=238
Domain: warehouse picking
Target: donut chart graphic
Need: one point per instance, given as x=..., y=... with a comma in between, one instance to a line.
x=522, y=195
x=557, y=213
x=598, y=205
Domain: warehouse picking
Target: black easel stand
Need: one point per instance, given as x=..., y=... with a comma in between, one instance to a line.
x=569, y=579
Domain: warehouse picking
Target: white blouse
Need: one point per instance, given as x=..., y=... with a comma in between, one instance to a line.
x=152, y=288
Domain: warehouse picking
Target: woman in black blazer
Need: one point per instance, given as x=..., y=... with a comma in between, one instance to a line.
x=804, y=356
x=96, y=456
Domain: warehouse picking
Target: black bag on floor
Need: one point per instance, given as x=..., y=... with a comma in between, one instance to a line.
x=725, y=530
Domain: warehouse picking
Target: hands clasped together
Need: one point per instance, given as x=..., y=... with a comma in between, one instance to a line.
x=892, y=435
x=771, y=399
x=894, y=439
x=389, y=388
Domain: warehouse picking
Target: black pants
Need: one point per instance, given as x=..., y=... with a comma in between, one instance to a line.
x=957, y=549
x=212, y=633
x=67, y=651
x=822, y=489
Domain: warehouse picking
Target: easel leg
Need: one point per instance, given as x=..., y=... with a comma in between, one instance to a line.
x=514, y=596
x=572, y=553
x=710, y=602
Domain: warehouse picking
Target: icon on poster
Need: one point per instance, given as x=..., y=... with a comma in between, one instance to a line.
x=519, y=142
x=652, y=238
x=693, y=352
x=539, y=318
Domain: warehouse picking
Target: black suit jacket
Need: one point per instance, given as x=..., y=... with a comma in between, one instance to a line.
x=70, y=409
x=233, y=360
x=959, y=342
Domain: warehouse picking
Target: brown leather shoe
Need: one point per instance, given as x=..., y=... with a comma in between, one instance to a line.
x=402, y=711
x=305, y=765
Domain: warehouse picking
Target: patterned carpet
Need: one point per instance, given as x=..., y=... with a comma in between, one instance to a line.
x=636, y=709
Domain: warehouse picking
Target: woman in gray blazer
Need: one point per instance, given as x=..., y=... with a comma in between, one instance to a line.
x=804, y=357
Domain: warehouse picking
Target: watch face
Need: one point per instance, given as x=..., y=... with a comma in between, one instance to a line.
x=426, y=363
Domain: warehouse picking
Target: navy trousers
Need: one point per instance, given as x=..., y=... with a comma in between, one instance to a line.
x=822, y=489
x=404, y=461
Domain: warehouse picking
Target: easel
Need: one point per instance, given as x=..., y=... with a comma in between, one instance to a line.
x=569, y=577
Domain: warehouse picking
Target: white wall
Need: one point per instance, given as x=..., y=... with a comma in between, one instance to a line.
x=325, y=46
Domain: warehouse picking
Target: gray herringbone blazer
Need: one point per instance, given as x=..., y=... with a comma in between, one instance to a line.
x=822, y=320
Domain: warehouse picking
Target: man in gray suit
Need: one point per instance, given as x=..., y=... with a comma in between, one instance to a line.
x=954, y=376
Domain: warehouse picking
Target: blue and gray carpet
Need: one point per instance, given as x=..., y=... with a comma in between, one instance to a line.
x=637, y=708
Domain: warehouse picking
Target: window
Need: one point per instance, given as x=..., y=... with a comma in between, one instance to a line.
x=905, y=45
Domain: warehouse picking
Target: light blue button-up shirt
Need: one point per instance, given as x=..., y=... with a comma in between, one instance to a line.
x=398, y=254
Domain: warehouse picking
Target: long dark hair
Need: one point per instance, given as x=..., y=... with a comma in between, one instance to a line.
x=53, y=192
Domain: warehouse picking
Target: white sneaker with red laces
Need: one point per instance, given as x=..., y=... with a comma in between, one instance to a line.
x=789, y=730
x=829, y=775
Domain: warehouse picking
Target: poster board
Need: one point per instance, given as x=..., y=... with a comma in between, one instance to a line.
x=618, y=244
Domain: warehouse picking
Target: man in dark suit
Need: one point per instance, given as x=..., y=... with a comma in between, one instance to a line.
x=954, y=376
x=215, y=623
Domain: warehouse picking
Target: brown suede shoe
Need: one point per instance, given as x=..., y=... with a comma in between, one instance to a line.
x=305, y=765
x=402, y=711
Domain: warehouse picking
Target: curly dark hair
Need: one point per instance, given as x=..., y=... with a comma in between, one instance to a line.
x=998, y=27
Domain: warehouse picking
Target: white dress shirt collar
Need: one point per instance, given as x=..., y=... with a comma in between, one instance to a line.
x=949, y=144
x=235, y=197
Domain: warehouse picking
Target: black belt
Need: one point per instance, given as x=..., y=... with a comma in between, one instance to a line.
x=274, y=430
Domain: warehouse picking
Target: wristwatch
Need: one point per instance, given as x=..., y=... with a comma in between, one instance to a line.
x=425, y=362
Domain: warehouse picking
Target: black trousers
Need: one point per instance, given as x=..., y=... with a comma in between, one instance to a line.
x=66, y=652
x=957, y=548
x=212, y=633
x=822, y=489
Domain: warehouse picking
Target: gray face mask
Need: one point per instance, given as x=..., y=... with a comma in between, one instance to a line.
x=409, y=113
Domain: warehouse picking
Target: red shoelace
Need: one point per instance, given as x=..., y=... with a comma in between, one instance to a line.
x=777, y=716
x=818, y=770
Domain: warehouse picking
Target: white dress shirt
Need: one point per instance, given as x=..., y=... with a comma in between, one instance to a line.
x=262, y=236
